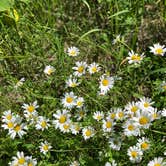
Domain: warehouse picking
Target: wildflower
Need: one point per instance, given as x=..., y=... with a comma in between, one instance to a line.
x=73, y=51
x=146, y=104
x=112, y=114
x=106, y=83
x=75, y=163
x=131, y=108
x=163, y=86
x=30, y=108
x=143, y=119
x=61, y=118
x=135, y=154
x=75, y=128
x=72, y=82
x=45, y=147
x=113, y=163
x=65, y=127
x=19, y=160
x=108, y=125
x=69, y=100
x=80, y=68
x=98, y=115
x=42, y=123
x=131, y=128
x=81, y=114
x=93, y=68
x=143, y=143
x=157, y=161
x=120, y=115
x=31, y=117
x=7, y=116
x=115, y=143
x=79, y=102
x=30, y=161
x=163, y=112
x=87, y=132
x=49, y=70
x=155, y=114
x=19, y=83
x=134, y=58
x=158, y=49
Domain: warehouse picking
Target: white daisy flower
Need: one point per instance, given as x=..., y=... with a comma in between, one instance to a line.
x=115, y=143
x=108, y=125
x=75, y=128
x=7, y=116
x=93, y=68
x=134, y=58
x=30, y=108
x=81, y=113
x=131, y=108
x=113, y=163
x=75, y=163
x=143, y=143
x=157, y=161
x=80, y=68
x=61, y=118
x=73, y=51
x=18, y=129
x=106, y=83
x=9, y=124
x=19, y=160
x=112, y=114
x=120, y=114
x=72, y=82
x=31, y=117
x=49, y=70
x=163, y=113
x=146, y=104
x=45, y=147
x=88, y=132
x=69, y=100
x=65, y=127
x=42, y=123
x=158, y=49
x=163, y=86
x=98, y=115
x=135, y=154
x=131, y=129
x=79, y=102
x=155, y=114
x=143, y=119
x=30, y=161
x=19, y=83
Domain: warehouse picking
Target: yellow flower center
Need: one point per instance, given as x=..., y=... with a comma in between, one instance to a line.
x=134, y=109
x=49, y=71
x=134, y=154
x=121, y=114
x=45, y=147
x=62, y=119
x=108, y=124
x=10, y=125
x=144, y=145
x=146, y=104
x=130, y=127
x=88, y=133
x=99, y=117
x=43, y=124
x=157, y=164
x=112, y=115
x=77, y=127
x=21, y=160
x=94, y=69
x=9, y=117
x=81, y=113
x=105, y=82
x=69, y=99
x=30, y=164
x=159, y=50
x=73, y=53
x=80, y=69
x=17, y=128
x=143, y=120
x=136, y=57
x=164, y=87
x=31, y=108
x=73, y=85
x=79, y=103
x=66, y=126
x=155, y=115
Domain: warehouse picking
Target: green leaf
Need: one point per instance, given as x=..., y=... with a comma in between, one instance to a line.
x=118, y=13
x=5, y=5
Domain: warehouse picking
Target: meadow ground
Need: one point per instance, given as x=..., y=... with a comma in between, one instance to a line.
x=82, y=82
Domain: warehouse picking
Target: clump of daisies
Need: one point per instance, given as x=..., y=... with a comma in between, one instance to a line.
x=22, y=160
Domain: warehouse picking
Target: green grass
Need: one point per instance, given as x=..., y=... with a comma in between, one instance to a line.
x=44, y=30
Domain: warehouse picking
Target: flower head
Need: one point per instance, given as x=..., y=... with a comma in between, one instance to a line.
x=73, y=51
x=158, y=49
